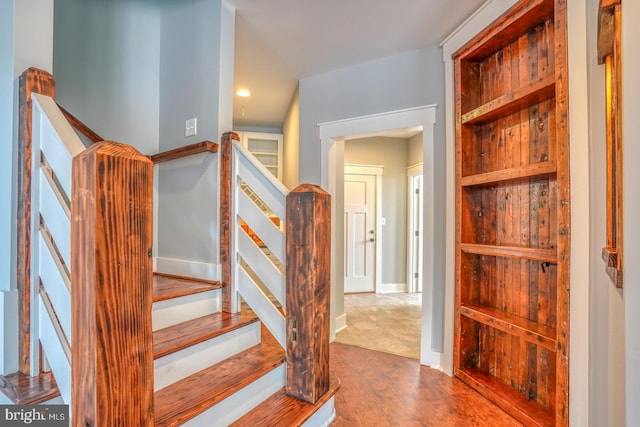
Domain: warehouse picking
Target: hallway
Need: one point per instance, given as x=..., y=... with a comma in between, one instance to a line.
x=384, y=390
x=383, y=322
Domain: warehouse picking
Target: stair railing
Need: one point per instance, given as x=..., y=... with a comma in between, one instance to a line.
x=276, y=243
x=54, y=146
x=87, y=234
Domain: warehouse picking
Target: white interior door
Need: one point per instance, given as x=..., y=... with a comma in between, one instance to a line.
x=415, y=233
x=359, y=233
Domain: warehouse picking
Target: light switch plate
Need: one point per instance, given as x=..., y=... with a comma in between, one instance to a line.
x=191, y=127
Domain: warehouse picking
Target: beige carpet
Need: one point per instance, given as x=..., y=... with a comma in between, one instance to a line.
x=383, y=322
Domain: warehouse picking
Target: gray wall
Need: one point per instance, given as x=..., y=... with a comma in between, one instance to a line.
x=8, y=160
x=392, y=154
x=189, y=87
x=26, y=32
x=134, y=71
x=401, y=81
x=397, y=82
x=106, y=66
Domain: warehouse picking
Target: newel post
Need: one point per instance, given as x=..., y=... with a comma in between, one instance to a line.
x=308, y=246
x=111, y=240
x=229, y=302
x=32, y=80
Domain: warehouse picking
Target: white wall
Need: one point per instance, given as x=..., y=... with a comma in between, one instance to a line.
x=26, y=33
x=392, y=154
x=606, y=312
x=631, y=176
x=393, y=83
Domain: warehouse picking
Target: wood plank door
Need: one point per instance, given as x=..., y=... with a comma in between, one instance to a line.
x=359, y=232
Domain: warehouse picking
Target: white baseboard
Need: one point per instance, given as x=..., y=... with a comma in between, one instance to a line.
x=341, y=322
x=389, y=288
x=181, y=267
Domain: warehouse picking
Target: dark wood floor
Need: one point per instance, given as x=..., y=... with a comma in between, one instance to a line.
x=380, y=389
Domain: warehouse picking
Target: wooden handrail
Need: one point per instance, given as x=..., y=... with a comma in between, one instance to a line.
x=111, y=241
x=77, y=124
x=187, y=150
x=32, y=80
x=308, y=289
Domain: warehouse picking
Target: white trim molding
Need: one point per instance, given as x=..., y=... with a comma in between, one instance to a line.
x=332, y=136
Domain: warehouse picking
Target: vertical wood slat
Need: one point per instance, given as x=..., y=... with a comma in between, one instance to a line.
x=112, y=213
x=563, y=212
x=308, y=228
x=226, y=223
x=31, y=81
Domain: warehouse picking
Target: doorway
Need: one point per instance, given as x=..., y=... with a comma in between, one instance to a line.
x=332, y=136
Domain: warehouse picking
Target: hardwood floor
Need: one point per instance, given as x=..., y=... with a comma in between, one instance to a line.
x=380, y=389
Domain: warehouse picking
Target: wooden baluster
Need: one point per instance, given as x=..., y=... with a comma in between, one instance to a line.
x=111, y=238
x=33, y=80
x=308, y=231
x=229, y=299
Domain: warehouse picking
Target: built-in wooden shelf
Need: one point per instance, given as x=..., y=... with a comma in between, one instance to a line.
x=538, y=170
x=512, y=198
x=523, y=97
x=526, y=329
x=535, y=254
x=505, y=30
x=187, y=150
x=525, y=410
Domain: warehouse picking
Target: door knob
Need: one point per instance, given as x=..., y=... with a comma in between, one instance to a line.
x=372, y=239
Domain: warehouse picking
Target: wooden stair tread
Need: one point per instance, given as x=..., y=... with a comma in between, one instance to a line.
x=191, y=396
x=23, y=389
x=166, y=286
x=177, y=337
x=282, y=410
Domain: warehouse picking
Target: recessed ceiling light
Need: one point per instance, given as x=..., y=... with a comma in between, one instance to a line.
x=243, y=92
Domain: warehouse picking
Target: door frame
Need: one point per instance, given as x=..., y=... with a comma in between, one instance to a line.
x=413, y=171
x=373, y=170
x=331, y=137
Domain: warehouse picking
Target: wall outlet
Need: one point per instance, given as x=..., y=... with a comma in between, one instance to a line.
x=191, y=127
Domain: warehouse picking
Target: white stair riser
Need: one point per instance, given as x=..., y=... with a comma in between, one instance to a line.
x=241, y=402
x=176, y=366
x=177, y=310
x=323, y=417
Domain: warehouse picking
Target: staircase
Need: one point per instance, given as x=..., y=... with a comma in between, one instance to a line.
x=250, y=349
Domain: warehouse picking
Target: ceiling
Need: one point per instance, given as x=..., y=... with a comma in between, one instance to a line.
x=279, y=42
